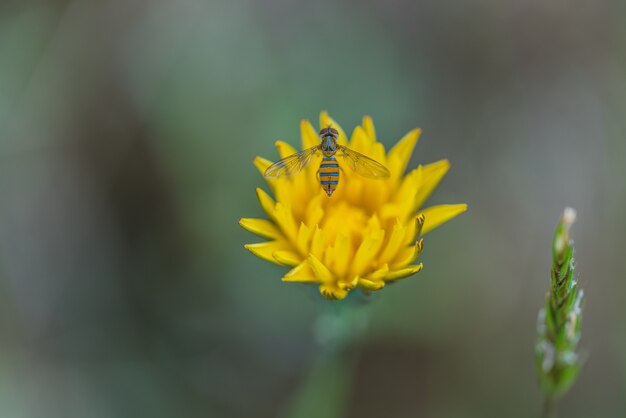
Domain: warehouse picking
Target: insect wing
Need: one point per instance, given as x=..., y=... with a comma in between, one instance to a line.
x=292, y=164
x=363, y=165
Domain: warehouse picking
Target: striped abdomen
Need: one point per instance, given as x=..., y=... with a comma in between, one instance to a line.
x=329, y=174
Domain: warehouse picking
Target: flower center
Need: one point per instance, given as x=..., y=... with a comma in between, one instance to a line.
x=344, y=219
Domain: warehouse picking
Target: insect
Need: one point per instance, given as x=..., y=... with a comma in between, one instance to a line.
x=328, y=173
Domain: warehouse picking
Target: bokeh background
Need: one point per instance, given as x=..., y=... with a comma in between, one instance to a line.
x=127, y=132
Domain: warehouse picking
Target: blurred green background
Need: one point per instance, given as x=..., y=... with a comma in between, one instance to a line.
x=127, y=132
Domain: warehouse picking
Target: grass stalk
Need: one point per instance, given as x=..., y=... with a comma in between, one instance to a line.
x=558, y=327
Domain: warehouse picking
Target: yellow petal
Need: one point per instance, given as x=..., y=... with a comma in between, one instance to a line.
x=378, y=154
x=401, y=153
x=361, y=141
x=341, y=255
x=302, y=242
x=326, y=121
x=285, y=220
x=320, y=270
x=419, y=224
x=367, y=251
x=353, y=187
x=266, y=250
x=348, y=285
x=405, y=195
x=261, y=227
x=287, y=258
x=371, y=285
x=267, y=203
x=301, y=273
x=368, y=126
x=408, y=255
x=314, y=212
x=262, y=164
x=332, y=292
x=391, y=211
x=318, y=242
x=394, y=243
x=296, y=188
x=402, y=273
x=310, y=138
x=414, y=229
x=284, y=149
x=373, y=224
x=436, y=215
x=378, y=274
x=432, y=175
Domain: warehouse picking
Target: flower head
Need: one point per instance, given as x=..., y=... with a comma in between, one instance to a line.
x=367, y=234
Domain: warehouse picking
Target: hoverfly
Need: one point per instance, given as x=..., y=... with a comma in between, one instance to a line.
x=328, y=173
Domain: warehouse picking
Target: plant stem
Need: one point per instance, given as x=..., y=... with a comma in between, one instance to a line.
x=549, y=407
x=325, y=389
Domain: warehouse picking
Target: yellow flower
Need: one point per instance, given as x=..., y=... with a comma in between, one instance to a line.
x=367, y=233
